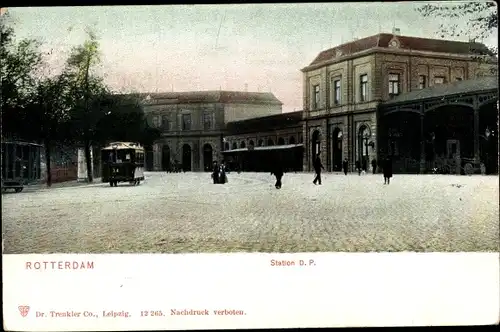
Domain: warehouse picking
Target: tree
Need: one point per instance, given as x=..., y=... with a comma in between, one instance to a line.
x=480, y=19
x=47, y=116
x=125, y=121
x=88, y=92
x=18, y=73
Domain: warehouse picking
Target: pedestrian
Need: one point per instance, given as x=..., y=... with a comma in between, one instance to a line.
x=278, y=172
x=222, y=173
x=317, y=169
x=345, y=166
x=215, y=172
x=374, y=165
x=387, y=170
x=365, y=165
x=358, y=167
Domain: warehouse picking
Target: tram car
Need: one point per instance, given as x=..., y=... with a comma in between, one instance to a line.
x=122, y=162
x=21, y=164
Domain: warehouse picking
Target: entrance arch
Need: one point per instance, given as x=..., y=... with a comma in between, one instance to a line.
x=281, y=141
x=363, y=138
x=149, y=158
x=270, y=142
x=165, y=158
x=186, y=158
x=488, y=136
x=207, y=157
x=337, y=150
x=291, y=140
x=450, y=134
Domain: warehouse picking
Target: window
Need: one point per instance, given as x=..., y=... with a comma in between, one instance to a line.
x=186, y=121
x=439, y=80
x=422, y=82
x=165, y=122
x=156, y=121
x=363, y=88
x=393, y=84
x=336, y=92
x=207, y=121
x=316, y=97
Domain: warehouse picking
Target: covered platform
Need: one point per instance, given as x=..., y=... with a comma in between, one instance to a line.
x=448, y=128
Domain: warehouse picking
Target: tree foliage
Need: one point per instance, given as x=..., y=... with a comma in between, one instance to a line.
x=73, y=107
x=18, y=68
x=476, y=20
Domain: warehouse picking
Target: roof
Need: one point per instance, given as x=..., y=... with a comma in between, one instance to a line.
x=268, y=148
x=406, y=43
x=265, y=122
x=458, y=87
x=217, y=97
x=123, y=145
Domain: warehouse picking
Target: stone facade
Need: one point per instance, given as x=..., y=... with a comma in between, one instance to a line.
x=390, y=65
x=193, y=124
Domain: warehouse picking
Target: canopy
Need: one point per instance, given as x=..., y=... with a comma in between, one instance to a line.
x=266, y=148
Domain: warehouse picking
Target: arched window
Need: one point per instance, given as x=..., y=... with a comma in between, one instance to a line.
x=261, y=142
x=270, y=142
x=235, y=146
x=226, y=146
x=251, y=143
x=281, y=141
x=242, y=144
x=291, y=140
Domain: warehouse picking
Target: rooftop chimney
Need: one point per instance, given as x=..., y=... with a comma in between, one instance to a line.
x=396, y=31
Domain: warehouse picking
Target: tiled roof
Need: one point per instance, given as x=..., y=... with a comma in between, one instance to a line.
x=406, y=43
x=264, y=123
x=217, y=97
x=458, y=87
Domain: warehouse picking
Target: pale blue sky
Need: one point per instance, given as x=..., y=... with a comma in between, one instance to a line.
x=149, y=48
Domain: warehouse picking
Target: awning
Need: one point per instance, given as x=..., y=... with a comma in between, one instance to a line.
x=266, y=148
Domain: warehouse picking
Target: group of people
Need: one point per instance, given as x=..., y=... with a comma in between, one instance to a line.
x=219, y=173
x=219, y=170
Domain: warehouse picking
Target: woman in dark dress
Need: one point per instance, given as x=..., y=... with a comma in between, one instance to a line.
x=215, y=172
x=387, y=170
x=345, y=165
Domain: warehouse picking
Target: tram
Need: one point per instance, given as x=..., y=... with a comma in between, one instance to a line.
x=122, y=162
x=21, y=164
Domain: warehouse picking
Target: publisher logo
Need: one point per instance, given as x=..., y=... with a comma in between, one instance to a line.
x=24, y=310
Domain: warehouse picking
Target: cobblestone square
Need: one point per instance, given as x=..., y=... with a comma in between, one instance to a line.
x=186, y=213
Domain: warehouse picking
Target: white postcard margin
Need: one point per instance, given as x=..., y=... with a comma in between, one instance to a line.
x=83, y=292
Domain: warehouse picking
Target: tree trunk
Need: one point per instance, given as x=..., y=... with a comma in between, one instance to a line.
x=88, y=161
x=47, y=161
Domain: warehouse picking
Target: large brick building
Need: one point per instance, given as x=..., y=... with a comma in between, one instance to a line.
x=193, y=124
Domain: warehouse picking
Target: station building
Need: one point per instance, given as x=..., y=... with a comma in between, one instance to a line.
x=426, y=103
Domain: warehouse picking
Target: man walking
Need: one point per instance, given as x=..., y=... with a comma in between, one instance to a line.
x=387, y=170
x=278, y=172
x=317, y=168
x=345, y=166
